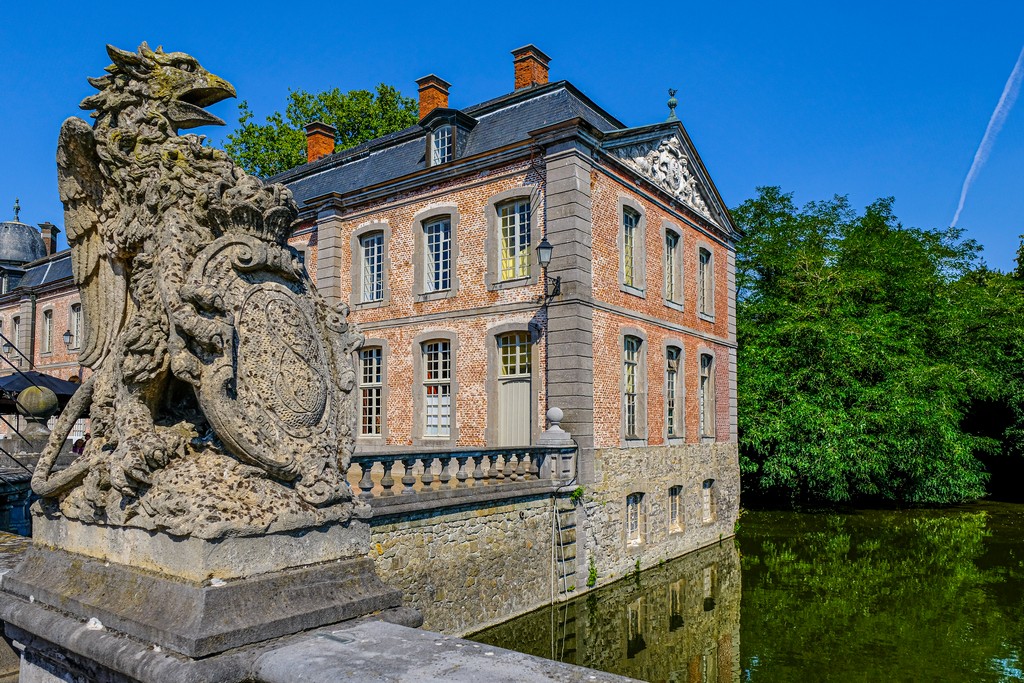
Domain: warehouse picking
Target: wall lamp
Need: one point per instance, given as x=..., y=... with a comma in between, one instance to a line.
x=544, y=252
x=67, y=337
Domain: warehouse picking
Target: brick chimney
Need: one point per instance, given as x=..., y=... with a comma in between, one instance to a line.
x=531, y=66
x=433, y=94
x=319, y=140
x=49, y=232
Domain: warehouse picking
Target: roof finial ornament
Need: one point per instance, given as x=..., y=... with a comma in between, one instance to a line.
x=17, y=210
x=672, y=103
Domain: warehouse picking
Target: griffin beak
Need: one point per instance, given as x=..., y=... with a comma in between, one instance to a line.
x=187, y=110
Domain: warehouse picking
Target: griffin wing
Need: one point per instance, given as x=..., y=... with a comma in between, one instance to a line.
x=90, y=203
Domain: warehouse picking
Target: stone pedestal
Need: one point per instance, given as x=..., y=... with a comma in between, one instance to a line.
x=97, y=603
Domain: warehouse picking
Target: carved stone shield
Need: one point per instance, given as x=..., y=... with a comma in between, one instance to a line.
x=266, y=383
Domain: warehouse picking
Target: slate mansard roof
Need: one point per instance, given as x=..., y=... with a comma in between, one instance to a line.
x=502, y=121
x=499, y=123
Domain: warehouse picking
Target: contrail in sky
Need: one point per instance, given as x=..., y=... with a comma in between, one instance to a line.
x=995, y=123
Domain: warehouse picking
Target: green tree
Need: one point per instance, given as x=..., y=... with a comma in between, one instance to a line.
x=269, y=148
x=862, y=353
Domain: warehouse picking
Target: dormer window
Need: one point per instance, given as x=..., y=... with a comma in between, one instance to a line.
x=441, y=145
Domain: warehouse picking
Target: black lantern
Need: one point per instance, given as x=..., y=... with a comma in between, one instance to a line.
x=544, y=250
x=67, y=337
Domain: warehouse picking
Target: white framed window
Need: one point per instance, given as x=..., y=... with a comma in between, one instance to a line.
x=675, y=509
x=631, y=384
x=372, y=256
x=441, y=145
x=514, y=349
x=673, y=268
x=437, y=388
x=47, y=341
x=75, y=325
x=438, y=237
x=705, y=283
x=630, y=248
x=706, y=395
x=371, y=391
x=515, y=239
x=16, y=334
x=634, y=519
x=674, y=426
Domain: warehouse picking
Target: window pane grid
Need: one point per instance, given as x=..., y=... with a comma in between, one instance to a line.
x=515, y=354
x=629, y=221
x=371, y=391
x=441, y=146
x=630, y=365
x=706, y=396
x=671, y=245
x=439, y=254
x=437, y=387
x=704, y=285
x=515, y=239
x=373, y=267
x=672, y=422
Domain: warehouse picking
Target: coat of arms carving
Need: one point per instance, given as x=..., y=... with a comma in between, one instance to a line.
x=220, y=396
x=666, y=163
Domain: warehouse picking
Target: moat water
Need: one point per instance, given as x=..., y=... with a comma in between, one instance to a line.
x=912, y=595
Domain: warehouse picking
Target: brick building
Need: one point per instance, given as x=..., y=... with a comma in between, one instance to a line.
x=40, y=309
x=433, y=235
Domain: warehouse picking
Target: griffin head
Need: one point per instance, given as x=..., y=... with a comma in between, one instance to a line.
x=172, y=82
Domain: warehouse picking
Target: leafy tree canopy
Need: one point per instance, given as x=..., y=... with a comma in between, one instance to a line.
x=869, y=354
x=266, y=149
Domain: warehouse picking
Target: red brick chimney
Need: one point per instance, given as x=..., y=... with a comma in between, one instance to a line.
x=319, y=140
x=531, y=66
x=433, y=94
x=49, y=231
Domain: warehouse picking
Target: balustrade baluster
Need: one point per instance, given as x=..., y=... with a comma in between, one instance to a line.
x=408, y=480
x=536, y=464
x=521, y=467
x=461, y=474
x=427, y=478
x=478, y=471
x=387, y=481
x=492, y=472
x=510, y=465
x=446, y=475
x=366, y=482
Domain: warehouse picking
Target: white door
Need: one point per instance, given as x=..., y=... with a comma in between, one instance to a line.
x=515, y=390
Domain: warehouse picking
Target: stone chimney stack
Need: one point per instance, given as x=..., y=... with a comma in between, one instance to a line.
x=319, y=140
x=433, y=94
x=531, y=66
x=49, y=232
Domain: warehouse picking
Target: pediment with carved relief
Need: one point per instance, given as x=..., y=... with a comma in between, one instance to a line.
x=666, y=163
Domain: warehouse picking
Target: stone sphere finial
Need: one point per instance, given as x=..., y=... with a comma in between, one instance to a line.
x=672, y=104
x=555, y=415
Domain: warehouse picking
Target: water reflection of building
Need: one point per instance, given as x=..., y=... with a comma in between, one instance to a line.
x=679, y=622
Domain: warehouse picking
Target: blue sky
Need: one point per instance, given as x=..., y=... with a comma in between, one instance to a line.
x=866, y=99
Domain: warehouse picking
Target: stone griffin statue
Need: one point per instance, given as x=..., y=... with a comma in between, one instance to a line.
x=221, y=393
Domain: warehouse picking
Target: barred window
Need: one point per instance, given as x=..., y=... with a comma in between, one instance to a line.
x=75, y=325
x=630, y=368
x=672, y=263
x=371, y=389
x=706, y=395
x=515, y=239
x=438, y=234
x=634, y=518
x=372, y=246
x=673, y=422
x=705, y=283
x=437, y=388
x=441, y=146
x=47, y=331
x=630, y=218
x=675, y=509
x=515, y=354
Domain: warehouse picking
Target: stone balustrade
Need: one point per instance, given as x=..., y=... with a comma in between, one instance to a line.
x=398, y=481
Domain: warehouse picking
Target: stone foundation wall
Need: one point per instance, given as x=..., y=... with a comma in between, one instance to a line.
x=652, y=471
x=471, y=567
